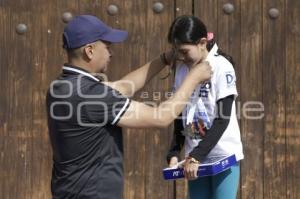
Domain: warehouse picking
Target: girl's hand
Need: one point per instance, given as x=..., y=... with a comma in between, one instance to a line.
x=173, y=161
x=191, y=168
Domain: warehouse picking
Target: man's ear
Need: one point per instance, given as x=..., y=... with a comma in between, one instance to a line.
x=88, y=51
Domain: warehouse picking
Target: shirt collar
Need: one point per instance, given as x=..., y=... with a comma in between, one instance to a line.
x=78, y=70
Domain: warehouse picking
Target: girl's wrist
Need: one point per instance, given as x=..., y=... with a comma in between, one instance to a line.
x=190, y=160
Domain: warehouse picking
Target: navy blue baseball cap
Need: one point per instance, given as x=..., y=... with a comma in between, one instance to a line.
x=85, y=29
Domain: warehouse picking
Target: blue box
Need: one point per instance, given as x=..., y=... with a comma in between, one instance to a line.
x=209, y=167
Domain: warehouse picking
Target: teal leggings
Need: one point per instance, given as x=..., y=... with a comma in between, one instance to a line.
x=221, y=186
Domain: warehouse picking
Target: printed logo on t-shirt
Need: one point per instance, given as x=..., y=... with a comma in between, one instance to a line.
x=230, y=79
x=204, y=89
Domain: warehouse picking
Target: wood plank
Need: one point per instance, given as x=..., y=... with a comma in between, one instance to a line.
x=179, y=191
x=47, y=62
x=229, y=34
x=157, y=140
x=4, y=93
x=17, y=93
x=26, y=152
x=207, y=11
x=229, y=41
x=251, y=91
x=274, y=101
x=133, y=55
x=183, y=7
x=292, y=77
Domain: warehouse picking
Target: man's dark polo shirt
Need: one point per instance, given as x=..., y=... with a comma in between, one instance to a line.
x=87, y=144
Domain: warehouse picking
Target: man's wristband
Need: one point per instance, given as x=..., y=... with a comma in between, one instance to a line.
x=163, y=59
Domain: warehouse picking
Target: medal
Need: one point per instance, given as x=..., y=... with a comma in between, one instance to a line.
x=194, y=131
x=197, y=121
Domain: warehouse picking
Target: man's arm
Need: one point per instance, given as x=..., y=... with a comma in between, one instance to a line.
x=135, y=80
x=140, y=115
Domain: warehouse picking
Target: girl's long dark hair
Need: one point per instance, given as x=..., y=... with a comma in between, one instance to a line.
x=188, y=29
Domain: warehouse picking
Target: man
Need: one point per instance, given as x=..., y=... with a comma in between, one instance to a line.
x=85, y=114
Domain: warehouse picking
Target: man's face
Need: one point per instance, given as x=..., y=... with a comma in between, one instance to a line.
x=101, y=56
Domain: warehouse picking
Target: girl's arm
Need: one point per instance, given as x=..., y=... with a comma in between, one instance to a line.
x=216, y=131
x=177, y=140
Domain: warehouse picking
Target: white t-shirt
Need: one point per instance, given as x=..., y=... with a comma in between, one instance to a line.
x=221, y=85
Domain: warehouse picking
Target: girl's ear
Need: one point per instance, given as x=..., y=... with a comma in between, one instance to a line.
x=202, y=43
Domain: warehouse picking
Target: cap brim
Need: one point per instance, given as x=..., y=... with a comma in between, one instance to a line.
x=115, y=36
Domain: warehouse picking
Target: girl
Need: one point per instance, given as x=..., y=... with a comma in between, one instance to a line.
x=208, y=126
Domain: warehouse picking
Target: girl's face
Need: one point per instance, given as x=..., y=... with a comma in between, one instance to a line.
x=191, y=54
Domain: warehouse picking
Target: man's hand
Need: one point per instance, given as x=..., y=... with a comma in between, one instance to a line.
x=202, y=71
x=169, y=57
x=191, y=168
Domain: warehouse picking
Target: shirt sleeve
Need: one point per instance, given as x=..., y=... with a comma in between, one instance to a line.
x=177, y=140
x=214, y=134
x=103, y=105
x=226, y=81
